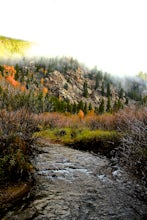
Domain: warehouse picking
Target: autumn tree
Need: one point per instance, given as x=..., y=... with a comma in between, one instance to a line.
x=81, y=114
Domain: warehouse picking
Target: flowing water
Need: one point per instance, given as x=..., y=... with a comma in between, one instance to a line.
x=75, y=185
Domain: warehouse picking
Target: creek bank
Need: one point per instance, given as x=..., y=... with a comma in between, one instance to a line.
x=13, y=194
x=71, y=184
x=103, y=147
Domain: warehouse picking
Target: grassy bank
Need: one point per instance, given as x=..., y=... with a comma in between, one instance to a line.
x=102, y=141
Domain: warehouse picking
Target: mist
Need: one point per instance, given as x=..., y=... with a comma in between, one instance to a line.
x=109, y=34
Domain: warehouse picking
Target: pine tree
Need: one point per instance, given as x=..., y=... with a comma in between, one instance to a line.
x=80, y=106
x=1, y=69
x=101, y=107
x=66, y=86
x=97, y=82
x=108, y=107
x=85, y=90
x=117, y=105
x=108, y=90
x=96, y=110
x=85, y=110
x=121, y=93
x=90, y=107
x=103, y=89
x=69, y=107
x=63, y=106
x=17, y=71
x=74, y=108
x=120, y=105
x=100, y=75
x=127, y=101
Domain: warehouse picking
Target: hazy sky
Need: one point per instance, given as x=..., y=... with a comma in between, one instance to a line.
x=111, y=34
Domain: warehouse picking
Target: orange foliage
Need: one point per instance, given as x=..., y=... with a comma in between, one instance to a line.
x=22, y=88
x=44, y=90
x=81, y=114
x=13, y=81
x=10, y=70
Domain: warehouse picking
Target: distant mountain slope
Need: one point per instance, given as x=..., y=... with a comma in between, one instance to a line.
x=13, y=47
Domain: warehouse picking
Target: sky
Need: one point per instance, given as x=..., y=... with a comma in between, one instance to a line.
x=109, y=34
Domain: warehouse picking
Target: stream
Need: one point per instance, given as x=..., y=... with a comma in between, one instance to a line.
x=76, y=185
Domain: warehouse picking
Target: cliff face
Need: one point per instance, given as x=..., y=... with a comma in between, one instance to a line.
x=70, y=86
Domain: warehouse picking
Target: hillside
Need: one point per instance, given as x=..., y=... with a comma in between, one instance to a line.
x=70, y=82
x=65, y=84
x=13, y=47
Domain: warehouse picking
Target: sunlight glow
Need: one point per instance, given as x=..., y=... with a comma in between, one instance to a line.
x=108, y=33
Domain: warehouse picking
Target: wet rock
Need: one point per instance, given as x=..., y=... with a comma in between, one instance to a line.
x=78, y=185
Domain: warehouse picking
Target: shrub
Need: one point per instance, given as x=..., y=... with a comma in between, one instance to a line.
x=132, y=151
x=16, y=129
x=58, y=120
x=104, y=121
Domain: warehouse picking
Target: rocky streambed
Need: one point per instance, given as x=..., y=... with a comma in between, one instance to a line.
x=72, y=185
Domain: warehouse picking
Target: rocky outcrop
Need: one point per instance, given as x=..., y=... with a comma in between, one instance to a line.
x=69, y=86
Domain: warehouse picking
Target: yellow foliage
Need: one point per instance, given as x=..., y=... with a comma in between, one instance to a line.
x=42, y=81
x=91, y=113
